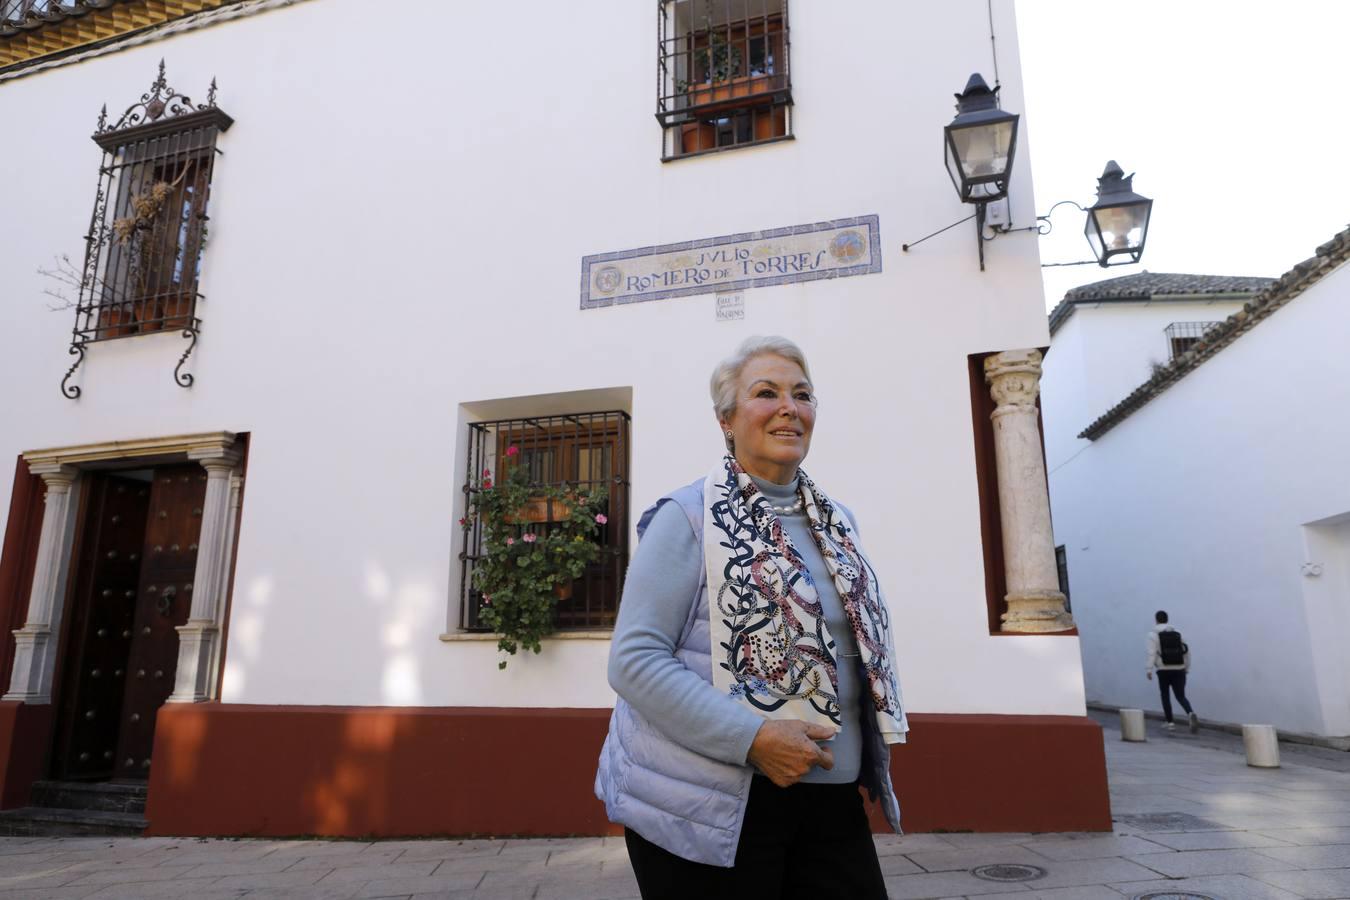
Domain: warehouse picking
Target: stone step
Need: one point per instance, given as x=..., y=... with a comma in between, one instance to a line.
x=41, y=821
x=102, y=796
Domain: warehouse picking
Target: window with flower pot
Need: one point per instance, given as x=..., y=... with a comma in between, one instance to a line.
x=723, y=79
x=149, y=228
x=567, y=460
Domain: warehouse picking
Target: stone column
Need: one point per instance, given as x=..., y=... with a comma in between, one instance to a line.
x=198, y=640
x=35, y=643
x=1035, y=603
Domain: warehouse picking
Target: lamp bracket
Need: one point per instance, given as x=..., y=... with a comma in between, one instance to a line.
x=986, y=232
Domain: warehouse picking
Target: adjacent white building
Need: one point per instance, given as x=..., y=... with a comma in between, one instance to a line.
x=342, y=255
x=1201, y=470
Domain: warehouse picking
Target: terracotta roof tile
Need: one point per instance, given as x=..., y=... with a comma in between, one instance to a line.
x=1153, y=286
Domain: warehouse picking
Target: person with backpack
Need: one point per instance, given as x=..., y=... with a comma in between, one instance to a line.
x=1169, y=656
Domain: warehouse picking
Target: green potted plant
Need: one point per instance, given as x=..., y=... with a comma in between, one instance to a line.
x=523, y=570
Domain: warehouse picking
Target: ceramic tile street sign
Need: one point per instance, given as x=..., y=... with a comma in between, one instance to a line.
x=733, y=262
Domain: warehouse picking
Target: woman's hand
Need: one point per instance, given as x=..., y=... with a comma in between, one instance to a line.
x=785, y=750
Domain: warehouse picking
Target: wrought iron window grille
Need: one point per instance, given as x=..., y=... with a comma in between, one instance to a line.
x=722, y=79
x=585, y=450
x=1182, y=336
x=148, y=231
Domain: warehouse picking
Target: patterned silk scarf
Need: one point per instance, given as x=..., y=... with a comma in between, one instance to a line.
x=770, y=645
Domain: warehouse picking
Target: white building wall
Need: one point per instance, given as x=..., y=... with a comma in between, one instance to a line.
x=397, y=227
x=1207, y=502
x=1101, y=354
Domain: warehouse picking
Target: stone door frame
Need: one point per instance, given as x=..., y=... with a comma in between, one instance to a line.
x=199, y=641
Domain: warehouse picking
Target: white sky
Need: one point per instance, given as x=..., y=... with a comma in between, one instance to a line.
x=1235, y=115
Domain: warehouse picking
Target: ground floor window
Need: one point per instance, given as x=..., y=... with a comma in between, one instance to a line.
x=585, y=450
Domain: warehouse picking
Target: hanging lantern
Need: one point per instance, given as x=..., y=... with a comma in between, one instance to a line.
x=979, y=144
x=1117, y=223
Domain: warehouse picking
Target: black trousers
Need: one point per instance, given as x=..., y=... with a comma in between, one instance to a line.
x=805, y=841
x=1176, y=680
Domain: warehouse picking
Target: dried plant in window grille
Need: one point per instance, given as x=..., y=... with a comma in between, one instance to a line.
x=149, y=225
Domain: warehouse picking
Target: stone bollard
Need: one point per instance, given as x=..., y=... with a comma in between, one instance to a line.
x=1132, y=725
x=1262, y=746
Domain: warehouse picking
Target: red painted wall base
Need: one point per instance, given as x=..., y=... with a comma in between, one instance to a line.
x=25, y=732
x=223, y=769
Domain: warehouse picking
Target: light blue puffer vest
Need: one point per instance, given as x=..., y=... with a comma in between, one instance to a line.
x=682, y=801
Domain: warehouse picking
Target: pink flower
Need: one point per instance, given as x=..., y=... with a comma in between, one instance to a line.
x=600, y=518
x=462, y=522
x=510, y=541
x=529, y=538
x=487, y=473
x=487, y=483
x=487, y=601
x=512, y=450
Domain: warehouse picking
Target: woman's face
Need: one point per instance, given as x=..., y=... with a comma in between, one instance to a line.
x=773, y=419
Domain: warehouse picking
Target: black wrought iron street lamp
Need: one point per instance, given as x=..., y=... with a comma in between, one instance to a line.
x=980, y=143
x=979, y=146
x=1117, y=223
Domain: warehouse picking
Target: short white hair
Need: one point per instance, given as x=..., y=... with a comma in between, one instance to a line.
x=722, y=385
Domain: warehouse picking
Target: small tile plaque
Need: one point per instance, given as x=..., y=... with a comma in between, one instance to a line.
x=834, y=249
x=730, y=307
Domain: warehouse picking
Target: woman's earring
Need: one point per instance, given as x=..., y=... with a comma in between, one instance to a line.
x=731, y=442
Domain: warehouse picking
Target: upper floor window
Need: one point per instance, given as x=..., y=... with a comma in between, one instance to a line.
x=149, y=227
x=723, y=78
x=1182, y=336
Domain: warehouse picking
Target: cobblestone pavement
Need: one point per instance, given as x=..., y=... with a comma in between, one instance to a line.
x=1190, y=817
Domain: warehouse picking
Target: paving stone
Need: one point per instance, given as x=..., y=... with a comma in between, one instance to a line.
x=946, y=884
x=481, y=864
x=444, y=849
x=610, y=887
x=1330, y=856
x=341, y=891
x=144, y=874
x=426, y=884
x=320, y=848
x=1211, y=862
x=1225, y=887
x=1097, y=847
x=416, y=868
x=964, y=860
x=46, y=878
x=261, y=866
x=1079, y=892
x=591, y=852
x=963, y=840
x=572, y=874
x=59, y=893
x=1215, y=840
x=167, y=890
x=1077, y=872
x=1306, y=836
x=1320, y=883
x=43, y=864
x=895, y=843
x=371, y=857
x=896, y=864
x=270, y=879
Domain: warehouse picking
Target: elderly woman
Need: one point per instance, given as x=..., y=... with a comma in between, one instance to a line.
x=754, y=666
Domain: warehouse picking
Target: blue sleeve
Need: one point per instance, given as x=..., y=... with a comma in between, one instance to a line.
x=659, y=590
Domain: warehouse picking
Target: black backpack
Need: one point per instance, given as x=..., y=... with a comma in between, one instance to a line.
x=1171, y=648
